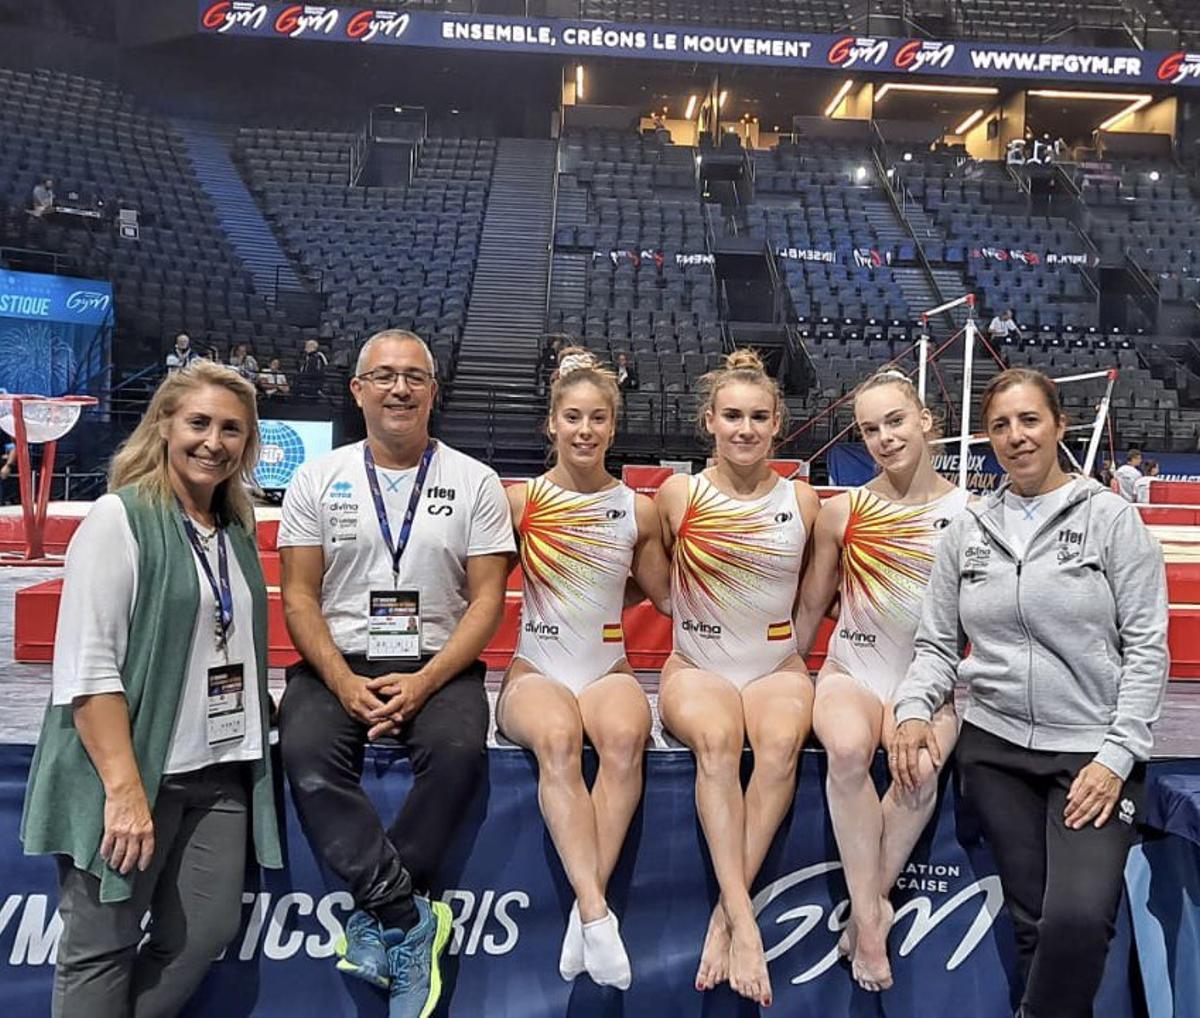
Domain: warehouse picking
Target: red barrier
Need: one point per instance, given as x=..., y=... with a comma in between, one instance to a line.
x=647, y=633
x=1175, y=492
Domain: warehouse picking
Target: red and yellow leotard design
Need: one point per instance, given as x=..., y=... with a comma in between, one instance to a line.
x=576, y=550
x=734, y=575
x=887, y=554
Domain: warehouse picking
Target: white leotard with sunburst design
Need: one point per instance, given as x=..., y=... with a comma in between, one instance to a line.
x=887, y=554
x=576, y=550
x=735, y=569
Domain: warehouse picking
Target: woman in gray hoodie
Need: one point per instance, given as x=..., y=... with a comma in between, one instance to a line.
x=1060, y=591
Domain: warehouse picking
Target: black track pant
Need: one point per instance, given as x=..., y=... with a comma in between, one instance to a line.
x=323, y=750
x=1062, y=887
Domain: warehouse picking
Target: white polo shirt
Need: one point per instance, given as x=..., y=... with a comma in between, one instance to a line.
x=462, y=513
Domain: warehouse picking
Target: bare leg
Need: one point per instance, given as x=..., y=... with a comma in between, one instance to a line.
x=848, y=720
x=543, y=715
x=616, y=718
x=905, y=814
x=778, y=712
x=705, y=712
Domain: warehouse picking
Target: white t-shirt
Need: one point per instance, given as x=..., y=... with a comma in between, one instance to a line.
x=1000, y=327
x=1024, y=516
x=1127, y=477
x=99, y=591
x=462, y=513
x=1141, y=490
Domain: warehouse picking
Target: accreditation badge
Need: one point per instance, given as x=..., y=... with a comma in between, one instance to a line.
x=226, y=703
x=394, y=625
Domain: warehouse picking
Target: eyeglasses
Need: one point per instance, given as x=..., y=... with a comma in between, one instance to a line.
x=384, y=378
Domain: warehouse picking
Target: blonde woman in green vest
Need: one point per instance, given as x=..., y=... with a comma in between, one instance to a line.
x=152, y=774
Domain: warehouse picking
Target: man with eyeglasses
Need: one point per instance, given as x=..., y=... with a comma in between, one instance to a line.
x=395, y=552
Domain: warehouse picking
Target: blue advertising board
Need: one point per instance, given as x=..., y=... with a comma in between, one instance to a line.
x=53, y=332
x=951, y=944
x=584, y=38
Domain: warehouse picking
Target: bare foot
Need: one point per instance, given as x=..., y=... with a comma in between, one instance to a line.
x=714, y=958
x=846, y=941
x=748, y=965
x=870, y=966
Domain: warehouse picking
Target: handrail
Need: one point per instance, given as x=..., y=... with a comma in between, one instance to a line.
x=358, y=149
x=553, y=231
x=1150, y=296
x=1022, y=181
x=922, y=257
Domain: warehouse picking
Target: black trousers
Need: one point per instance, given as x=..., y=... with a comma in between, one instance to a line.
x=1062, y=887
x=323, y=750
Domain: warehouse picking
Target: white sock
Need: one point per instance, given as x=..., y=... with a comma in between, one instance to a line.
x=604, y=953
x=570, y=962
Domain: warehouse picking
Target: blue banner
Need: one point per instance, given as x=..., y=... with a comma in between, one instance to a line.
x=851, y=465
x=579, y=38
x=951, y=944
x=53, y=333
x=1173, y=466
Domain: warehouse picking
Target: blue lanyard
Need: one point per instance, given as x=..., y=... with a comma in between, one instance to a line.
x=410, y=514
x=222, y=592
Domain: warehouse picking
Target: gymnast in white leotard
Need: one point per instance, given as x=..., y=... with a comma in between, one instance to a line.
x=582, y=534
x=737, y=534
x=734, y=570
x=879, y=540
x=576, y=552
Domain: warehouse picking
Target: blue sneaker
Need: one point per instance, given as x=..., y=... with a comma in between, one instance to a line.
x=361, y=951
x=414, y=961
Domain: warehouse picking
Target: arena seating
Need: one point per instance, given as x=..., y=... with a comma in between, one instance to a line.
x=1146, y=208
x=981, y=216
x=776, y=15
x=1184, y=16
x=642, y=211
x=401, y=256
x=1034, y=21
x=181, y=275
x=807, y=197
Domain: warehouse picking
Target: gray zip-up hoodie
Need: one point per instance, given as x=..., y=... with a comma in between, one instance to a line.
x=1068, y=643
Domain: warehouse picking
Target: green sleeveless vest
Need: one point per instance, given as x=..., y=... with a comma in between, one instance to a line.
x=64, y=801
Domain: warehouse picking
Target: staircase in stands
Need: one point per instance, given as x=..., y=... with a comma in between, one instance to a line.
x=493, y=409
x=208, y=147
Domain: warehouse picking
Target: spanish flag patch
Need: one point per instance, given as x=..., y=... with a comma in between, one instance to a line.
x=612, y=633
x=779, y=631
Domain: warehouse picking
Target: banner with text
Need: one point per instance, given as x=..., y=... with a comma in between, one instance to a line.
x=580, y=38
x=950, y=944
x=53, y=333
x=851, y=465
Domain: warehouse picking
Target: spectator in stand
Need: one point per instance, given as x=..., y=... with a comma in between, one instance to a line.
x=42, y=201
x=213, y=353
x=273, y=382
x=1128, y=474
x=244, y=362
x=8, y=474
x=1003, y=326
x=182, y=354
x=626, y=373
x=549, y=362
x=1141, y=487
x=311, y=376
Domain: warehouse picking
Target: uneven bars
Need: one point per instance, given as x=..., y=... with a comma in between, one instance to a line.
x=966, y=298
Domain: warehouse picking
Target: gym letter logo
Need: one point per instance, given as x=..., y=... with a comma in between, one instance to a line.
x=365, y=25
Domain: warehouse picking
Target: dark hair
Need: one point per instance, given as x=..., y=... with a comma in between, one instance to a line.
x=1133, y=450
x=1149, y=466
x=1013, y=377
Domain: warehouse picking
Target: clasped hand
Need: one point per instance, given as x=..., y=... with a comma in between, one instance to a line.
x=385, y=703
